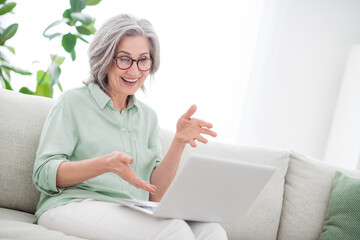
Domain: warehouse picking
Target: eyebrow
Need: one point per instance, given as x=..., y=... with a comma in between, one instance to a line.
x=127, y=53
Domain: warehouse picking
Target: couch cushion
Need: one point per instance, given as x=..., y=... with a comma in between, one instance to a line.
x=343, y=214
x=14, y=215
x=262, y=220
x=16, y=230
x=307, y=191
x=22, y=118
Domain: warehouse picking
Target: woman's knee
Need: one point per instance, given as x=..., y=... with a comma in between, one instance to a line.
x=217, y=232
x=208, y=231
x=176, y=229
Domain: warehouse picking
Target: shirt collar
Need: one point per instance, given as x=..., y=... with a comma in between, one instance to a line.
x=102, y=99
x=132, y=102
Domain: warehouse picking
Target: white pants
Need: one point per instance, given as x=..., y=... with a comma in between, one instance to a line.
x=92, y=219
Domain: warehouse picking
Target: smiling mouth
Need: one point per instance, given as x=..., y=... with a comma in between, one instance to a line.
x=130, y=80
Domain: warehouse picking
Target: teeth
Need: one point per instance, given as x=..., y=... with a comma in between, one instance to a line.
x=130, y=80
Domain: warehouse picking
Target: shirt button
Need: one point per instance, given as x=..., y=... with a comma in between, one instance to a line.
x=123, y=129
x=127, y=150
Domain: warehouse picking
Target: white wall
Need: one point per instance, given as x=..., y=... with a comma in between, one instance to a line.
x=205, y=50
x=297, y=72
x=297, y=68
x=343, y=148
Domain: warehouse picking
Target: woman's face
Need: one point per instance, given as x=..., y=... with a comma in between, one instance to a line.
x=127, y=82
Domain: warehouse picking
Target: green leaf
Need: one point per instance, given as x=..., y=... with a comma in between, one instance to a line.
x=54, y=35
x=92, y=2
x=7, y=73
x=11, y=49
x=7, y=84
x=43, y=78
x=2, y=79
x=91, y=27
x=84, y=18
x=57, y=59
x=15, y=69
x=67, y=14
x=53, y=25
x=8, y=33
x=81, y=38
x=69, y=42
x=57, y=22
x=2, y=1
x=83, y=30
x=44, y=90
x=77, y=5
x=26, y=90
x=7, y=8
x=54, y=72
x=60, y=87
x=73, y=55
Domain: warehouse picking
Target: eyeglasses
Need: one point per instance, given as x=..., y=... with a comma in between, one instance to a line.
x=143, y=64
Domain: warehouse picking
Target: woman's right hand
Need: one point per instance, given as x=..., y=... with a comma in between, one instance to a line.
x=119, y=163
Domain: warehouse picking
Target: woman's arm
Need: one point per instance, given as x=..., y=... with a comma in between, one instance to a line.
x=163, y=175
x=187, y=131
x=71, y=173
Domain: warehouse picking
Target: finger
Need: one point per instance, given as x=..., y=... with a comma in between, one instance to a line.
x=149, y=187
x=201, y=139
x=137, y=182
x=208, y=132
x=192, y=143
x=203, y=123
x=190, y=111
x=130, y=176
x=125, y=158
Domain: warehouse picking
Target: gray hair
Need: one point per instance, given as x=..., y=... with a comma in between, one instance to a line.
x=102, y=49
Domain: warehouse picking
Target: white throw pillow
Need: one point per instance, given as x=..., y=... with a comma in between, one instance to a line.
x=306, y=199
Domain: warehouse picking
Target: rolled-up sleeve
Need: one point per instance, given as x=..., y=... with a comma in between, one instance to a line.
x=45, y=177
x=57, y=143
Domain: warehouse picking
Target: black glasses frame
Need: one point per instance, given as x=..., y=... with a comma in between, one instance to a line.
x=132, y=62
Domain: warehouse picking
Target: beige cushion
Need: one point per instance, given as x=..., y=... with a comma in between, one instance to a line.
x=15, y=215
x=22, y=118
x=307, y=191
x=24, y=231
x=262, y=220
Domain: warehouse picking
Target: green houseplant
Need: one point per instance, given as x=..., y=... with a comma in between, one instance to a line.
x=6, y=33
x=79, y=25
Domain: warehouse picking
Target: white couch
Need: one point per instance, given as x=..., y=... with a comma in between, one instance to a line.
x=292, y=205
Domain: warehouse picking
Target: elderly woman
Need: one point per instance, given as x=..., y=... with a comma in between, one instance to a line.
x=99, y=142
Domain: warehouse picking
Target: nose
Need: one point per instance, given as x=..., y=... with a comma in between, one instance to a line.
x=133, y=70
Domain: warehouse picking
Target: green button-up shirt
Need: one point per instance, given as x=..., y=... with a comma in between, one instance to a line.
x=83, y=124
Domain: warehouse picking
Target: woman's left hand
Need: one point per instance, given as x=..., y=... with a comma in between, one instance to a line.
x=189, y=129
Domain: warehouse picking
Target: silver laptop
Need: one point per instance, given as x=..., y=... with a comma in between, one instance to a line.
x=209, y=189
